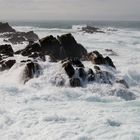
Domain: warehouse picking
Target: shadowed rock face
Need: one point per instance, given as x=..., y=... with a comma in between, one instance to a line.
x=6, y=50
x=69, y=69
x=4, y=27
x=51, y=46
x=71, y=47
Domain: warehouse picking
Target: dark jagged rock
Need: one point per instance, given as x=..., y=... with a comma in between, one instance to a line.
x=71, y=48
x=5, y=27
x=6, y=64
x=31, y=49
x=32, y=69
x=90, y=75
x=76, y=62
x=75, y=73
x=78, y=75
x=109, y=62
x=51, y=46
x=82, y=73
x=6, y=50
x=75, y=82
x=69, y=69
x=58, y=49
x=90, y=29
x=96, y=58
x=14, y=37
x=38, y=55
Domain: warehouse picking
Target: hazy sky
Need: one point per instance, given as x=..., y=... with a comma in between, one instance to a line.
x=70, y=9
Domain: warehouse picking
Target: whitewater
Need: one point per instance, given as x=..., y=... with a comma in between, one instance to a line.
x=41, y=110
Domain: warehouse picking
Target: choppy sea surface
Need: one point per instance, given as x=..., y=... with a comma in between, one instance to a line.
x=40, y=110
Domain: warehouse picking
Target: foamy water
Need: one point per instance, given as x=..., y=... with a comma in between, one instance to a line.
x=40, y=110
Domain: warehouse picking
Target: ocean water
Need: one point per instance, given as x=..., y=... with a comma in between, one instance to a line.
x=41, y=110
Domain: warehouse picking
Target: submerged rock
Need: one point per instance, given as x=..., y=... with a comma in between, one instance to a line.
x=75, y=82
x=91, y=30
x=124, y=94
x=123, y=82
x=111, y=52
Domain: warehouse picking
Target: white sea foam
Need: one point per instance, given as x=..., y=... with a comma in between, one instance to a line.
x=42, y=110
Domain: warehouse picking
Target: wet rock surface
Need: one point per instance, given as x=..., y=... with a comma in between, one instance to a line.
x=32, y=69
x=81, y=74
x=96, y=58
x=10, y=35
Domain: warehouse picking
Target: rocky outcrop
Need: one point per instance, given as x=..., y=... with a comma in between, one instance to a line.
x=91, y=30
x=20, y=37
x=11, y=35
x=96, y=58
x=79, y=75
x=5, y=27
x=60, y=48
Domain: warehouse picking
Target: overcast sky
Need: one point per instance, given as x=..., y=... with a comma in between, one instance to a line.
x=70, y=9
